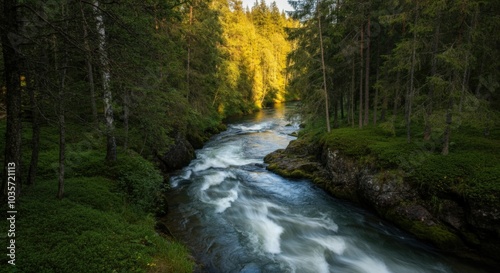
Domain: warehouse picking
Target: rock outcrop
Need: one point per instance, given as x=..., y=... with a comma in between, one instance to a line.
x=179, y=154
x=453, y=225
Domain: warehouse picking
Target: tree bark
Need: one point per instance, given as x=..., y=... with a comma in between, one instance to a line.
x=353, y=88
x=12, y=70
x=106, y=80
x=35, y=137
x=397, y=96
x=377, y=77
x=89, y=66
x=90, y=75
x=126, y=114
x=188, y=66
x=466, y=74
x=361, y=79
x=323, y=67
x=447, y=131
x=367, y=74
x=430, y=96
x=341, y=104
x=62, y=114
x=411, y=89
x=62, y=141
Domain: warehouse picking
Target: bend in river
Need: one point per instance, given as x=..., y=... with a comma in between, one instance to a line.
x=238, y=217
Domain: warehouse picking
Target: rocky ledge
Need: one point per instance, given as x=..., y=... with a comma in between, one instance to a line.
x=453, y=225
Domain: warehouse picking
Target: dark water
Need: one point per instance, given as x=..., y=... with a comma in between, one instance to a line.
x=238, y=217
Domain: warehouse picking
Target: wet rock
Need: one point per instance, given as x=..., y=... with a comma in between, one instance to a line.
x=451, y=224
x=178, y=155
x=452, y=214
x=417, y=213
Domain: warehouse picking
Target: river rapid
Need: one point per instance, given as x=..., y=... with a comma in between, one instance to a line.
x=236, y=216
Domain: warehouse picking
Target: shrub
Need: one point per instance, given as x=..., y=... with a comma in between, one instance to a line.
x=139, y=179
x=89, y=231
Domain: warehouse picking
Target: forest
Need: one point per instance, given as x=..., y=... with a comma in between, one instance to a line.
x=96, y=93
x=431, y=62
x=137, y=74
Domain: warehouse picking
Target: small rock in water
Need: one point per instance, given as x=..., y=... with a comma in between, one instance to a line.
x=250, y=268
x=260, y=165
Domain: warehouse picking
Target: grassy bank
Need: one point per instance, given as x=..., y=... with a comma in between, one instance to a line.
x=105, y=222
x=451, y=201
x=470, y=172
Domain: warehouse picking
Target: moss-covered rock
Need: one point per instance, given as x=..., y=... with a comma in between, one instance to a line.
x=363, y=172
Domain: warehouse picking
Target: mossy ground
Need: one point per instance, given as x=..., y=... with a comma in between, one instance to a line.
x=468, y=175
x=437, y=234
x=470, y=171
x=104, y=223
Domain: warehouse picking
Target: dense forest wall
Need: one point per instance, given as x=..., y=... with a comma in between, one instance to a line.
x=430, y=66
x=153, y=77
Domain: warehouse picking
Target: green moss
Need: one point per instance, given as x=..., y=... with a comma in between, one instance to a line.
x=471, y=171
x=385, y=176
x=437, y=234
x=298, y=173
x=102, y=223
x=90, y=230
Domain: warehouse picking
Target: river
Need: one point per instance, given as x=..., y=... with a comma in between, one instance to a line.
x=236, y=216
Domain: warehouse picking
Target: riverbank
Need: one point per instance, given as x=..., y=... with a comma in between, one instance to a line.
x=106, y=220
x=451, y=201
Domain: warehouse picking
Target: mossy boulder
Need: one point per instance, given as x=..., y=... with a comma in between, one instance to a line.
x=440, y=215
x=177, y=156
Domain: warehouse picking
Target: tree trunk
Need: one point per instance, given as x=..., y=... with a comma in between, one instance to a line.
x=90, y=75
x=188, y=66
x=126, y=114
x=477, y=92
x=466, y=75
x=12, y=71
x=411, y=90
x=385, y=103
x=88, y=62
x=336, y=104
x=62, y=114
x=341, y=104
x=465, y=80
x=35, y=137
x=397, y=96
x=447, y=131
x=361, y=79
x=377, y=77
x=353, y=88
x=106, y=79
x=430, y=96
x=323, y=67
x=367, y=74
x=62, y=142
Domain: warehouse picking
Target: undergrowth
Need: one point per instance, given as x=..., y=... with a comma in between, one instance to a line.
x=471, y=171
x=105, y=221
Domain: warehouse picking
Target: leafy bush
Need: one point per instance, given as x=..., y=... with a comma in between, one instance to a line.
x=78, y=163
x=139, y=179
x=470, y=171
x=90, y=230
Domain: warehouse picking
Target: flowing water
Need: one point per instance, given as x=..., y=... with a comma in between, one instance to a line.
x=238, y=217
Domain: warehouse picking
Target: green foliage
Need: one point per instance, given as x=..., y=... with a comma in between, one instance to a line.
x=471, y=172
x=437, y=234
x=90, y=231
x=253, y=73
x=139, y=179
x=78, y=163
